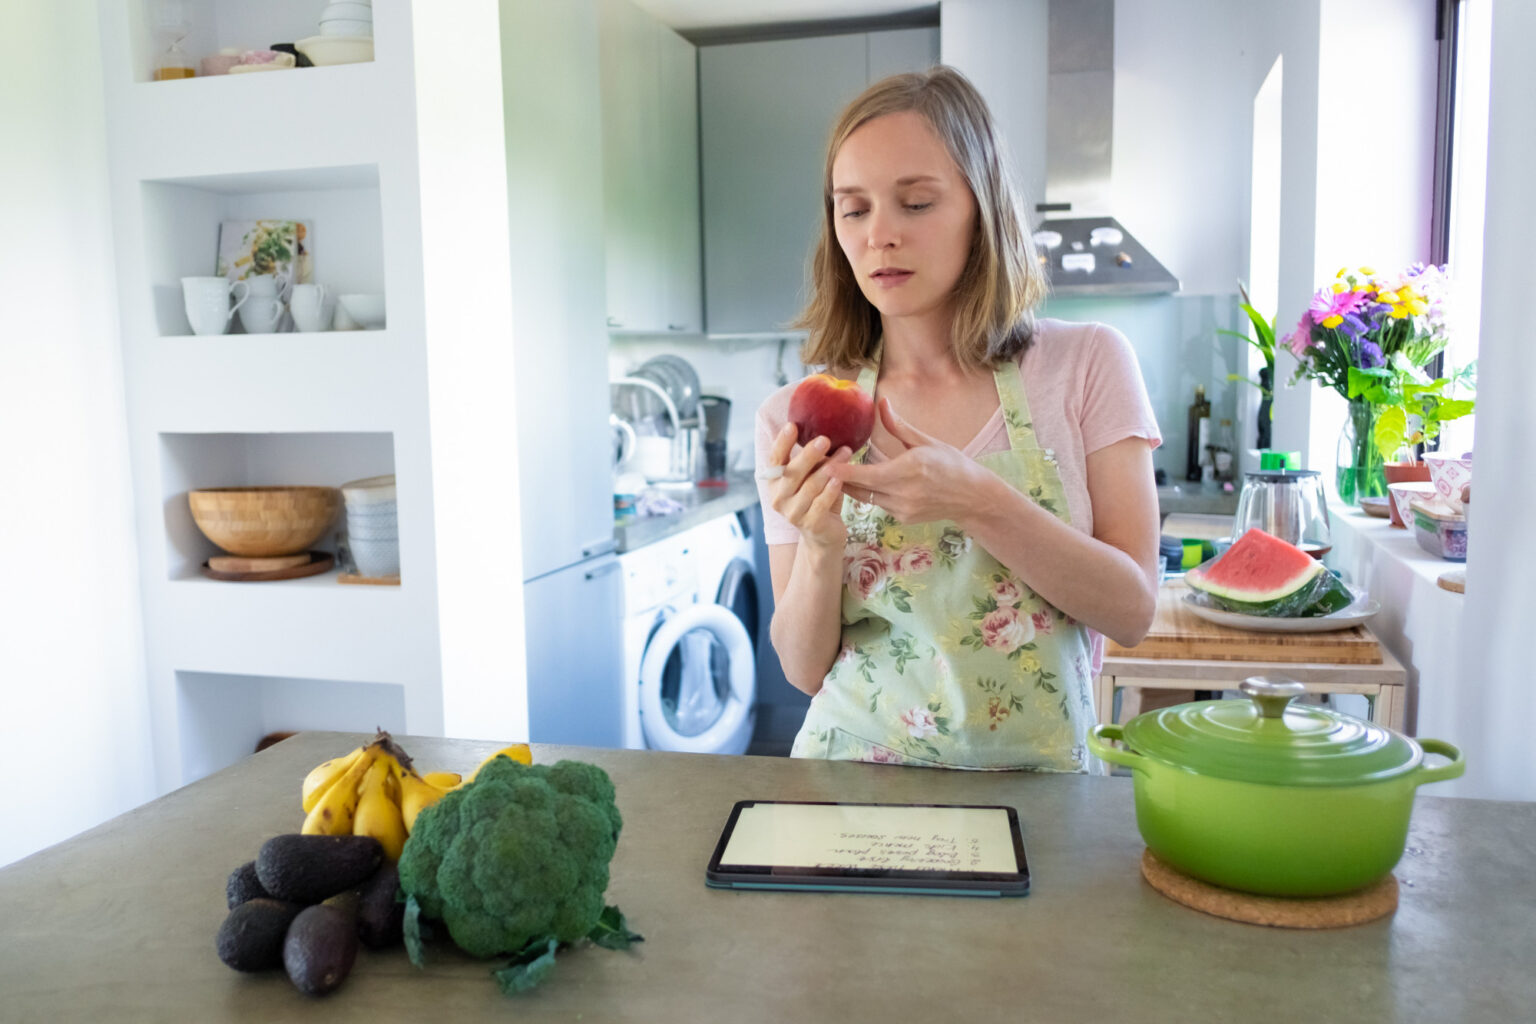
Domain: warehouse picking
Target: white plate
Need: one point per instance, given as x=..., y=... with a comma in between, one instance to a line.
x=1358, y=612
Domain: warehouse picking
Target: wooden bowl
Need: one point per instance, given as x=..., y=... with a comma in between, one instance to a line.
x=261, y=522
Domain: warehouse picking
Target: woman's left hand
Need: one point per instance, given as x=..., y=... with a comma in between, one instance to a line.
x=924, y=479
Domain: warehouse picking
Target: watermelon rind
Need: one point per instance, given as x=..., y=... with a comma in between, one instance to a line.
x=1251, y=552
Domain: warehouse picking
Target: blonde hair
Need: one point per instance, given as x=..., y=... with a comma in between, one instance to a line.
x=1002, y=281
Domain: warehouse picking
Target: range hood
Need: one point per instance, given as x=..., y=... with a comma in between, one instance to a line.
x=1085, y=250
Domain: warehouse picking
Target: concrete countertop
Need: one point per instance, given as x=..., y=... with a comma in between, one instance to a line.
x=700, y=504
x=118, y=923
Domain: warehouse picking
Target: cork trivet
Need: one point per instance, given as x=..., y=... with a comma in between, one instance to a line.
x=377, y=581
x=1454, y=580
x=273, y=563
x=1376, y=900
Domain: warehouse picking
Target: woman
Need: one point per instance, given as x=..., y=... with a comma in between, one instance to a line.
x=940, y=593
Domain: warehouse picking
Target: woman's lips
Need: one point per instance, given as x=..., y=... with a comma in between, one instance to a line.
x=892, y=278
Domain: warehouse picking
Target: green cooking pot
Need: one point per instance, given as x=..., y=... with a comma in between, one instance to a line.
x=1270, y=798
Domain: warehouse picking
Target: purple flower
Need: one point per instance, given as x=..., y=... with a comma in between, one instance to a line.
x=1369, y=355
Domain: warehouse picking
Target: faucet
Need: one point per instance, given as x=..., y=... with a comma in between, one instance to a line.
x=675, y=473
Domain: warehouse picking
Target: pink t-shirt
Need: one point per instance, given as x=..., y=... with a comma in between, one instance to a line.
x=1085, y=392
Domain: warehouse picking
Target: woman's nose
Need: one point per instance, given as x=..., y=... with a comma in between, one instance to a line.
x=882, y=230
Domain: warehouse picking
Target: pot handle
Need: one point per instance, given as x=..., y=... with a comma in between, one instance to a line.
x=1104, y=752
x=1440, y=772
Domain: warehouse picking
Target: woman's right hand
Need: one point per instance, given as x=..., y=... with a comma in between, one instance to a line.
x=806, y=494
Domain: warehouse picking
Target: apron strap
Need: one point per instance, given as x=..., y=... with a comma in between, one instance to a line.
x=1010, y=395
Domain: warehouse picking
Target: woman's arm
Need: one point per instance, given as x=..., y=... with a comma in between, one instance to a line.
x=808, y=575
x=1108, y=580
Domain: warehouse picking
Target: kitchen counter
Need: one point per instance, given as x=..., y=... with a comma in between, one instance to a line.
x=700, y=505
x=1202, y=498
x=117, y=924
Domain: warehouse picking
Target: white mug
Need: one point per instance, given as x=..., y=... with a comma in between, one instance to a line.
x=207, y=302
x=311, y=307
x=265, y=308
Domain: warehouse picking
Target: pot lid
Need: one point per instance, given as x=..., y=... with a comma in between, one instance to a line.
x=1270, y=741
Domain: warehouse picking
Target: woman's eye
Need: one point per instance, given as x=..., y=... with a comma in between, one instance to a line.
x=918, y=207
x=851, y=214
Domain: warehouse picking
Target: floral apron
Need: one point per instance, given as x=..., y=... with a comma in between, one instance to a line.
x=948, y=659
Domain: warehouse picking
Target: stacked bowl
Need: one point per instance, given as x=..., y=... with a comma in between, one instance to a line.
x=347, y=18
x=373, y=525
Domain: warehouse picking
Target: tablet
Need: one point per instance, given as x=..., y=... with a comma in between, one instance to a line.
x=933, y=849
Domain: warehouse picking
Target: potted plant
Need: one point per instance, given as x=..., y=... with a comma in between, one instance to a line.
x=1263, y=339
x=1368, y=336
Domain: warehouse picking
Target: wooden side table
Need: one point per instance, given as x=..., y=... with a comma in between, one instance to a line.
x=1176, y=632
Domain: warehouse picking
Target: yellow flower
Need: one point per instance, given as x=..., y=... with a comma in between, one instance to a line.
x=1333, y=321
x=1388, y=297
x=1030, y=661
x=1367, y=270
x=1417, y=306
x=1340, y=286
x=1341, y=273
x=892, y=538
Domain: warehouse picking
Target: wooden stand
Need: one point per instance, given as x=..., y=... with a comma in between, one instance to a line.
x=377, y=581
x=1368, y=904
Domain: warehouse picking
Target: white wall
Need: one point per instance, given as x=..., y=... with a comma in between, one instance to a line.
x=76, y=719
x=1499, y=703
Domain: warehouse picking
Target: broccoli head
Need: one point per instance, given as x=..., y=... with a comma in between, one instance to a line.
x=520, y=853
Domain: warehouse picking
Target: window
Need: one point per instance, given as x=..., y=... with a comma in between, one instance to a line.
x=1459, y=208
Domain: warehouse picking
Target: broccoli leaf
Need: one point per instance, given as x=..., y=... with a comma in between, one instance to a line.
x=528, y=968
x=612, y=931
x=417, y=932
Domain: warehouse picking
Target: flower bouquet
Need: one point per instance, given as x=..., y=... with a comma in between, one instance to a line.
x=1368, y=337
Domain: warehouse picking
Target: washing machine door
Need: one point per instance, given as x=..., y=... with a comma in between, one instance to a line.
x=738, y=592
x=697, y=683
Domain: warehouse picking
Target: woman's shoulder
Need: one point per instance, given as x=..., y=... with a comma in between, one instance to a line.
x=1072, y=348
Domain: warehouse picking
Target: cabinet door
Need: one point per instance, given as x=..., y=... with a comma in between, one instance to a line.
x=903, y=49
x=681, y=257
x=765, y=110
x=554, y=174
x=576, y=655
x=632, y=146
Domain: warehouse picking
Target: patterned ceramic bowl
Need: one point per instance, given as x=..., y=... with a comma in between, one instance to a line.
x=1449, y=473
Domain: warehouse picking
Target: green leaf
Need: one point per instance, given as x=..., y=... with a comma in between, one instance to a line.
x=1390, y=430
x=612, y=931
x=1454, y=408
x=530, y=967
x=417, y=932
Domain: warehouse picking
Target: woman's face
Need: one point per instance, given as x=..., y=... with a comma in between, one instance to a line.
x=905, y=216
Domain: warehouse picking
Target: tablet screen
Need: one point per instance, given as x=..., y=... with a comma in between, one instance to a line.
x=829, y=843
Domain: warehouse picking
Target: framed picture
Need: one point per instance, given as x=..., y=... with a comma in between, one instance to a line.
x=278, y=247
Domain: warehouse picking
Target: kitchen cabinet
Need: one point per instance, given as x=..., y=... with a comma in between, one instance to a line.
x=765, y=110
x=650, y=164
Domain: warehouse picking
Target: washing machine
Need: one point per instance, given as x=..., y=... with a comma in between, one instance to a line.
x=728, y=569
x=690, y=672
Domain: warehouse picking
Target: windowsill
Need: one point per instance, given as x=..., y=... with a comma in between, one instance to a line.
x=1419, y=621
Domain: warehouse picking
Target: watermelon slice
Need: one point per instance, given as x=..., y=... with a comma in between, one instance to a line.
x=1260, y=574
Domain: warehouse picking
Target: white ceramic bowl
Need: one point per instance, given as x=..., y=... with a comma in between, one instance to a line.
x=375, y=557
x=346, y=27
x=1449, y=473
x=323, y=50
x=365, y=309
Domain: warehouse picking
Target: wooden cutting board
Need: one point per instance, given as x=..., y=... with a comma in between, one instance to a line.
x=1179, y=633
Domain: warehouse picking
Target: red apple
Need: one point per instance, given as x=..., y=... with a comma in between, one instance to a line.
x=838, y=409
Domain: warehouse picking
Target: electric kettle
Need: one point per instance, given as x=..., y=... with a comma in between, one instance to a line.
x=1288, y=504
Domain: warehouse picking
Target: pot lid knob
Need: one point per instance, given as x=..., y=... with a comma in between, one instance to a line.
x=1271, y=695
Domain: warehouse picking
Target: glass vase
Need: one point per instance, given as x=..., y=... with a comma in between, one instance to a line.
x=1360, y=473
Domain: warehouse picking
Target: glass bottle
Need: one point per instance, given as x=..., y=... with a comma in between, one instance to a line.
x=172, y=25
x=1199, y=418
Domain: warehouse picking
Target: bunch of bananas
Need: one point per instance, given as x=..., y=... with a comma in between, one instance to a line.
x=376, y=791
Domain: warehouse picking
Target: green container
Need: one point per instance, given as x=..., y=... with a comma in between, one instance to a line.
x=1264, y=797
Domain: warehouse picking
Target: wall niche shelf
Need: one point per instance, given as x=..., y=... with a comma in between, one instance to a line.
x=338, y=206
x=212, y=25
x=222, y=716
x=192, y=461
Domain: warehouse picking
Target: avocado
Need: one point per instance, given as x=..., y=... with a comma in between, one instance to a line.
x=321, y=945
x=251, y=937
x=307, y=869
x=380, y=915
x=244, y=885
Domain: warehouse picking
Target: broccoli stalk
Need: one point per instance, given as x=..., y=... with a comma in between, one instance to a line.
x=516, y=863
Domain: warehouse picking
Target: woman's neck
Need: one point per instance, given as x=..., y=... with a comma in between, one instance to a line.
x=918, y=347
